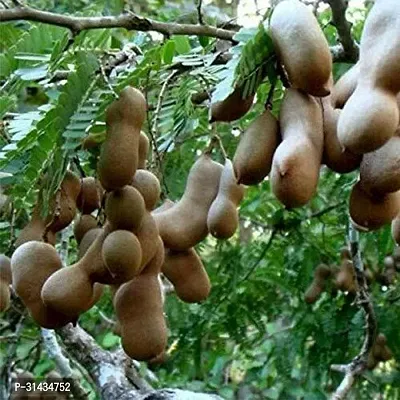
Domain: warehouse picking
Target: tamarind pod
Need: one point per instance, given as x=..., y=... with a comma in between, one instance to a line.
x=297, y=160
x=85, y=223
x=223, y=218
x=314, y=291
x=148, y=186
x=345, y=278
x=371, y=212
x=122, y=255
x=34, y=230
x=301, y=47
x=334, y=156
x=371, y=115
x=87, y=241
x=139, y=309
x=144, y=145
x=5, y=281
x=253, y=157
x=380, y=169
x=119, y=156
x=148, y=236
x=185, y=270
x=89, y=197
x=379, y=352
x=185, y=224
x=63, y=203
x=345, y=86
x=31, y=265
x=125, y=208
x=231, y=108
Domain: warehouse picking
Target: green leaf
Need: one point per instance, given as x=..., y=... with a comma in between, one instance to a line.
x=182, y=44
x=168, y=51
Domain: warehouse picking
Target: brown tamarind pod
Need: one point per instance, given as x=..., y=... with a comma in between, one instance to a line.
x=122, y=255
x=63, y=203
x=186, y=272
x=139, y=309
x=345, y=278
x=87, y=241
x=144, y=146
x=223, y=218
x=371, y=115
x=231, y=108
x=345, y=86
x=34, y=230
x=32, y=264
x=301, y=47
x=148, y=186
x=253, y=157
x=85, y=223
x=185, y=224
x=335, y=157
x=125, y=208
x=119, y=157
x=78, y=296
x=297, y=160
x=380, y=352
x=314, y=291
x=5, y=282
x=396, y=229
x=148, y=236
x=371, y=212
x=380, y=169
x=89, y=197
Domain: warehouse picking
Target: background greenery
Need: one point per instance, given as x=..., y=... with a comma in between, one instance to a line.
x=254, y=338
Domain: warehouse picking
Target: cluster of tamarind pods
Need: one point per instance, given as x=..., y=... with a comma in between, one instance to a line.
x=348, y=125
x=332, y=278
x=134, y=243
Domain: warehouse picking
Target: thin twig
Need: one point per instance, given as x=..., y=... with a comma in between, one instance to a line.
x=199, y=13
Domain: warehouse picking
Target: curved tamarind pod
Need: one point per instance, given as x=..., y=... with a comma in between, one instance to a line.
x=371, y=115
x=185, y=224
x=89, y=197
x=297, y=160
x=63, y=204
x=32, y=264
x=119, y=157
x=302, y=47
x=139, y=309
x=380, y=169
x=186, y=272
x=231, y=108
x=314, y=291
x=345, y=86
x=371, y=212
x=253, y=157
x=380, y=352
x=334, y=156
x=223, y=218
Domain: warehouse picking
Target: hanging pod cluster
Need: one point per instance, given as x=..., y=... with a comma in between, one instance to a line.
x=350, y=125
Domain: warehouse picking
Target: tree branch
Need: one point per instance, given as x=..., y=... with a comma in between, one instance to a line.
x=350, y=49
x=129, y=21
x=359, y=364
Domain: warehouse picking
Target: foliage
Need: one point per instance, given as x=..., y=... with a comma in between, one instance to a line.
x=254, y=338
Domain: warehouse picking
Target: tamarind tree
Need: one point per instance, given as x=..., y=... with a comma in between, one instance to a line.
x=302, y=305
